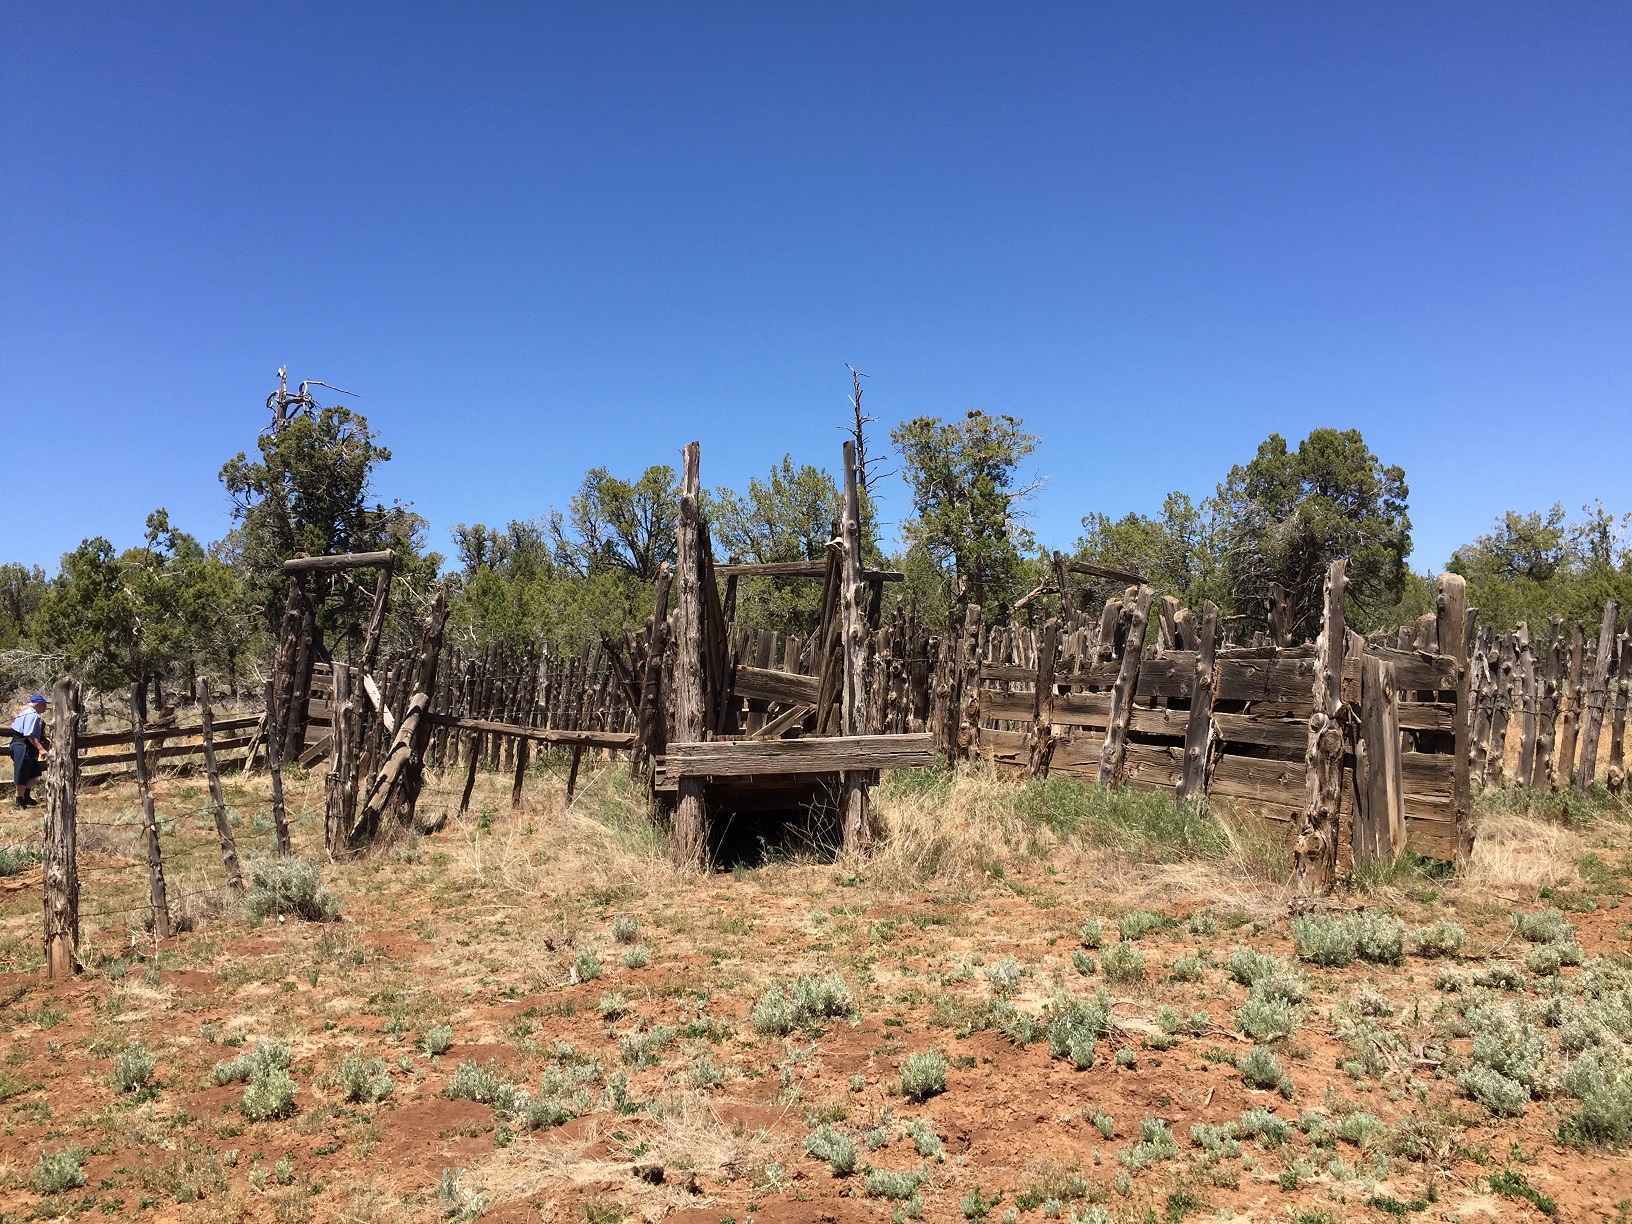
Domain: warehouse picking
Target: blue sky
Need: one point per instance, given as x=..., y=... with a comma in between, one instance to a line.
x=538, y=238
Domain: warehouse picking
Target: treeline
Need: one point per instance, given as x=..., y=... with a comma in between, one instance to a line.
x=170, y=606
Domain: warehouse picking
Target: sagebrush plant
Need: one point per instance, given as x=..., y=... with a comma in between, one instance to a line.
x=1123, y=962
x=437, y=1039
x=133, y=1068
x=269, y=1094
x=289, y=886
x=14, y=858
x=636, y=958
x=1136, y=924
x=1155, y=1144
x=924, y=1138
x=484, y=1084
x=640, y=1048
x=1004, y=975
x=56, y=1172
x=363, y=1080
x=1259, y=1068
x=1544, y=926
x=587, y=965
x=923, y=1075
x=1083, y=963
x=461, y=1202
x=625, y=929
x=883, y=1183
x=1074, y=1025
x=806, y=1002
x=839, y=1151
x=1437, y=939
x=269, y=1055
x=1093, y=933
x=1337, y=941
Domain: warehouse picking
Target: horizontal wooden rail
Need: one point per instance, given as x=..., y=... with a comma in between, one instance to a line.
x=826, y=754
x=337, y=562
x=104, y=739
x=539, y=735
x=797, y=569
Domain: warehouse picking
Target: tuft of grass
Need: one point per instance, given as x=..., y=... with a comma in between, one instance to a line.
x=289, y=886
x=923, y=1075
x=133, y=1068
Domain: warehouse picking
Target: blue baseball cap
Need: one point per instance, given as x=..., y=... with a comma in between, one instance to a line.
x=38, y=699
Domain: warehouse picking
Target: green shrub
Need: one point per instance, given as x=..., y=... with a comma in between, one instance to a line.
x=1494, y=1090
x=640, y=1049
x=636, y=958
x=1202, y=923
x=1378, y=938
x=1602, y=1082
x=437, y=1039
x=1499, y=975
x=1189, y=968
x=269, y=1094
x=1083, y=963
x=1264, y=1017
x=1323, y=940
x=925, y=1139
x=56, y=1172
x=1548, y=926
x=625, y=929
x=827, y=1144
x=1250, y=966
x=1155, y=1143
x=587, y=965
x=1074, y=1025
x=1093, y=933
x=1004, y=976
x=1504, y=1041
x=483, y=1084
x=269, y=1055
x=461, y=1203
x=133, y=1068
x=975, y=1206
x=1441, y=938
x=289, y=886
x=14, y=858
x=1124, y=963
x=807, y=1001
x=1361, y=1129
x=1259, y=1123
x=923, y=1075
x=1136, y=924
x=363, y=1080
x=882, y=1183
x=1259, y=1068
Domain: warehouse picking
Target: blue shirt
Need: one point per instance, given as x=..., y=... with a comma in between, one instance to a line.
x=27, y=724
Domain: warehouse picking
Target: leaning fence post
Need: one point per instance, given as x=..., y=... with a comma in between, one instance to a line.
x=1316, y=851
x=1592, y=698
x=59, y=861
x=223, y=828
x=150, y=820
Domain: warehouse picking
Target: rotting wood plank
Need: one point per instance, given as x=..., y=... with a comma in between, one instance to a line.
x=1379, y=826
x=768, y=758
x=1199, y=726
x=768, y=684
x=1122, y=695
x=337, y=562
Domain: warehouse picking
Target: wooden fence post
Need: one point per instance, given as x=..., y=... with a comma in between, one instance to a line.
x=1592, y=700
x=1548, y=702
x=1198, y=730
x=1451, y=599
x=1622, y=682
x=1316, y=851
x=150, y=820
x=274, y=769
x=1569, y=733
x=858, y=834
x=341, y=796
x=59, y=858
x=1379, y=833
x=223, y=828
x=690, y=818
x=1115, y=749
x=1527, y=705
x=1042, y=706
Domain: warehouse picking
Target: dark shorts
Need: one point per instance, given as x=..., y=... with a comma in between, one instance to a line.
x=25, y=762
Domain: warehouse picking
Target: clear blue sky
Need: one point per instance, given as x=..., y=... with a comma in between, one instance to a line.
x=538, y=238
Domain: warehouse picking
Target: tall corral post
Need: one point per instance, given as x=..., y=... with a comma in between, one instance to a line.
x=853, y=712
x=1455, y=623
x=1198, y=731
x=274, y=769
x=1115, y=749
x=1592, y=698
x=1379, y=829
x=1042, y=702
x=60, y=864
x=1315, y=858
x=1526, y=667
x=340, y=800
x=150, y=820
x=218, y=804
x=690, y=818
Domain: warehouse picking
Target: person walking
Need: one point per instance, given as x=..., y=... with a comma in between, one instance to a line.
x=28, y=745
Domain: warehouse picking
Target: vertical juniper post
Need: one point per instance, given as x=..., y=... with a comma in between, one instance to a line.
x=1548, y=687
x=1527, y=705
x=1451, y=600
x=1042, y=704
x=1316, y=851
x=1115, y=748
x=1379, y=833
x=1483, y=690
x=341, y=797
x=1620, y=682
x=857, y=827
x=59, y=866
x=1569, y=733
x=274, y=768
x=150, y=820
x=218, y=804
x=1592, y=698
x=1280, y=616
x=690, y=819
x=649, y=721
x=1198, y=729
